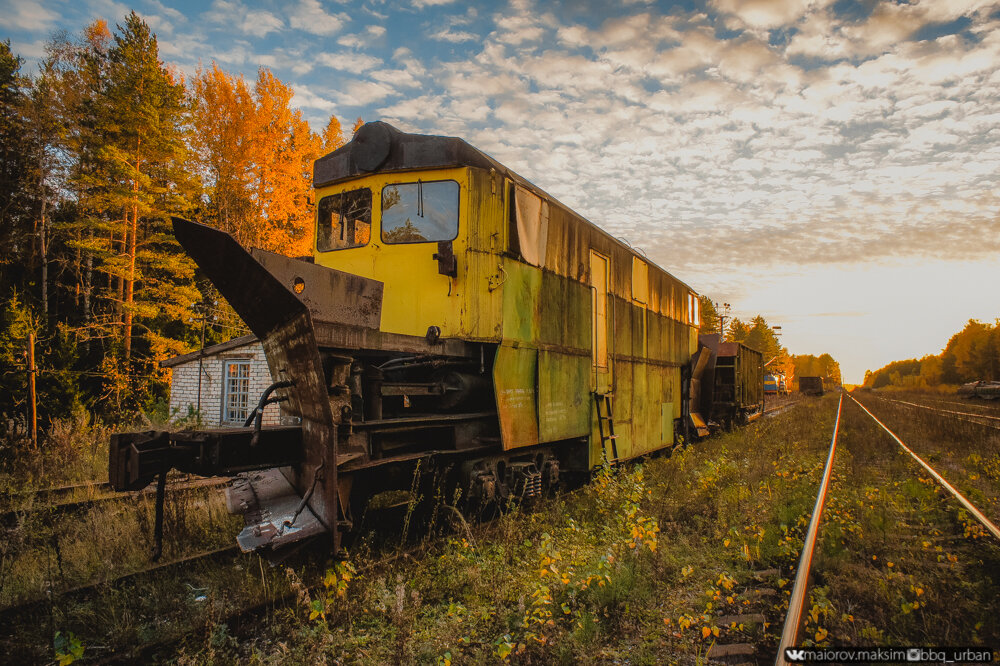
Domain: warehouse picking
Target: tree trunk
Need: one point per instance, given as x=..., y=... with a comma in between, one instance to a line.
x=132, y=235
x=88, y=278
x=44, y=247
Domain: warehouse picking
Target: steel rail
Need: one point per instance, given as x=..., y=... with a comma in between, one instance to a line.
x=25, y=607
x=968, y=405
x=987, y=523
x=7, y=513
x=796, y=603
x=950, y=411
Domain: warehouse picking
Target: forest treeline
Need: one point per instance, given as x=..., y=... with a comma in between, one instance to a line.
x=971, y=354
x=99, y=149
x=760, y=335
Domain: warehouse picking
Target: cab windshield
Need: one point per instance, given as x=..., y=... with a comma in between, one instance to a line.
x=420, y=212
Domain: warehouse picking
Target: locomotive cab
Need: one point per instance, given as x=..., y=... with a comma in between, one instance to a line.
x=408, y=230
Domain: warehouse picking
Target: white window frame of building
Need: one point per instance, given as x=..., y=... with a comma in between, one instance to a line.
x=236, y=388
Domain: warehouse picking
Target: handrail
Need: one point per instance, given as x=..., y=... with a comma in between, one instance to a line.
x=796, y=603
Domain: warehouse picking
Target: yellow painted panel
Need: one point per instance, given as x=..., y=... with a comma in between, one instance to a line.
x=599, y=283
x=417, y=296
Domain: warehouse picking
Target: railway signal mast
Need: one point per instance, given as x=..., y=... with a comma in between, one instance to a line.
x=723, y=315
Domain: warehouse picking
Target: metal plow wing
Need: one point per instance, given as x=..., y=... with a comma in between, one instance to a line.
x=278, y=298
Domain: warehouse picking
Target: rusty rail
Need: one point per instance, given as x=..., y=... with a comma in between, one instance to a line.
x=987, y=523
x=796, y=604
x=28, y=606
x=10, y=512
x=995, y=425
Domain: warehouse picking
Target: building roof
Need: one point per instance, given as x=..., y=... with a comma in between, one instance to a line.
x=235, y=343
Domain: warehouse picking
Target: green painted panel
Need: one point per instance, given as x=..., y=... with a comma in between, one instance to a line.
x=521, y=302
x=567, y=319
x=564, y=401
x=515, y=374
x=623, y=406
x=643, y=437
x=621, y=327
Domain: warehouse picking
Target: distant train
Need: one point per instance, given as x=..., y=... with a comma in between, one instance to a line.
x=732, y=383
x=811, y=385
x=981, y=389
x=454, y=319
x=774, y=384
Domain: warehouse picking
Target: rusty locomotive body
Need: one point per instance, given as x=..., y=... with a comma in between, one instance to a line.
x=453, y=316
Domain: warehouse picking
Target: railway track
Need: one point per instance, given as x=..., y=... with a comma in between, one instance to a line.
x=797, y=602
x=54, y=500
x=240, y=620
x=77, y=593
x=777, y=409
x=992, y=406
x=988, y=421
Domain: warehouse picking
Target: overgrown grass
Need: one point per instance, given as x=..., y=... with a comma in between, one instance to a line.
x=45, y=552
x=640, y=566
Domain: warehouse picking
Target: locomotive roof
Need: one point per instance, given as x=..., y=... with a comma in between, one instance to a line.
x=378, y=146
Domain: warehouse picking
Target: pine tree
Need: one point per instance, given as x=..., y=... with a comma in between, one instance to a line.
x=709, y=315
x=145, y=146
x=16, y=159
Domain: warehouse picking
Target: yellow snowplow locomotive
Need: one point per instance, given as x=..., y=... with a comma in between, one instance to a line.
x=453, y=318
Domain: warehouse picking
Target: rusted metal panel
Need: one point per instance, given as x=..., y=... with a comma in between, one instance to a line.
x=515, y=376
x=331, y=295
x=482, y=294
x=284, y=326
x=666, y=423
x=624, y=406
x=276, y=515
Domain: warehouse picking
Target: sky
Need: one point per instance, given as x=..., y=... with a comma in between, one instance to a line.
x=830, y=165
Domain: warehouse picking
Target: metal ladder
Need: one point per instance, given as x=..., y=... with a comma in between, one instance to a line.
x=607, y=435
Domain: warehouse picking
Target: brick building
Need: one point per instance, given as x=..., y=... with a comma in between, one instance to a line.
x=234, y=374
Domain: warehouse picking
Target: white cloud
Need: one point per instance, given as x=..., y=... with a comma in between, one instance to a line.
x=308, y=15
x=307, y=99
x=363, y=93
x=362, y=39
x=28, y=16
x=30, y=51
x=398, y=78
x=766, y=13
x=348, y=62
x=230, y=13
x=455, y=37
x=259, y=23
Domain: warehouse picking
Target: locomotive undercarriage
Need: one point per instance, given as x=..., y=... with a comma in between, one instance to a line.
x=401, y=422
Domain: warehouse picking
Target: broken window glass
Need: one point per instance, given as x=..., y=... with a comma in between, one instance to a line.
x=345, y=220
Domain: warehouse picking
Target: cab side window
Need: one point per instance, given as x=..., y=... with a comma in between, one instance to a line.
x=344, y=220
